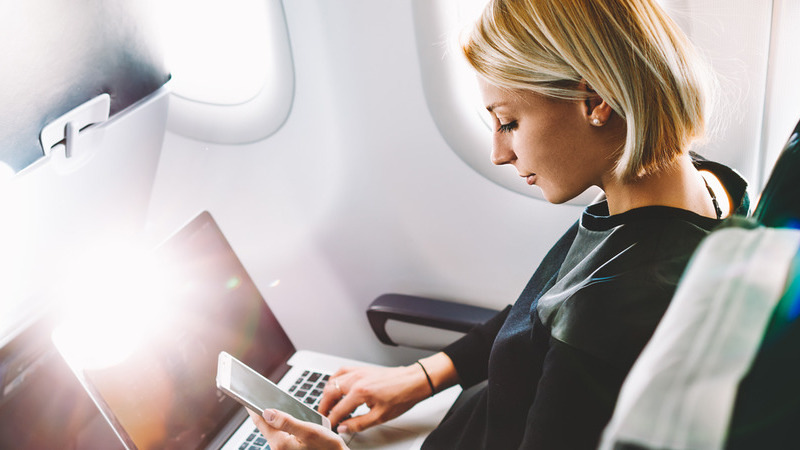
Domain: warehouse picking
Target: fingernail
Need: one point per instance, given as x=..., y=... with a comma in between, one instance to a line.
x=269, y=415
x=342, y=429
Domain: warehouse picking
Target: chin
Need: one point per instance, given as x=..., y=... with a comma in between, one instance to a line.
x=556, y=198
x=559, y=197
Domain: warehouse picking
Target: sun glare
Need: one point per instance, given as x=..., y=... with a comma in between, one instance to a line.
x=113, y=300
x=216, y=51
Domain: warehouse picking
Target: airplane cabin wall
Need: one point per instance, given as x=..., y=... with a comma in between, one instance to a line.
x=357, y=194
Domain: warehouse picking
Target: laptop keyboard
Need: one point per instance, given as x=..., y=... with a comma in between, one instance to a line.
x=256, y=441
x=308, y=389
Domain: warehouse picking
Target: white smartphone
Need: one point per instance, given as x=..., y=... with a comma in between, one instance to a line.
x=257, y=393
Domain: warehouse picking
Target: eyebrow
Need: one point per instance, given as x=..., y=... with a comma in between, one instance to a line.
x=492, y=107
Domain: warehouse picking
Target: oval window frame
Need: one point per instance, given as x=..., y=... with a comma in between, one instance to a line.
x=742, y=123
x=255, y=119
x=450, y=95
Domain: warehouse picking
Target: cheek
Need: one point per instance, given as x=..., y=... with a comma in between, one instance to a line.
x=528, y=144
x=545, y=151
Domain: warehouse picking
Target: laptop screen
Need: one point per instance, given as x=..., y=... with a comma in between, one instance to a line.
x=164, y=395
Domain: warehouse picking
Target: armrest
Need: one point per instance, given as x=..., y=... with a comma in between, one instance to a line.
x=440, y=321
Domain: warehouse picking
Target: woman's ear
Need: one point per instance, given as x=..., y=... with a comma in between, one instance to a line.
x=595, y=109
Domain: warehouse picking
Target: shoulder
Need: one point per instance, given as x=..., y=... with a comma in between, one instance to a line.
x=613, y=317
x=622, y=271
x=642, y=239
x=611, y=300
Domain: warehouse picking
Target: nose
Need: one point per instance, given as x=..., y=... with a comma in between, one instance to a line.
x=502, y=152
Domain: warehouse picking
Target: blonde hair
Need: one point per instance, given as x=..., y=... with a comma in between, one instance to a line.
x=628, y=51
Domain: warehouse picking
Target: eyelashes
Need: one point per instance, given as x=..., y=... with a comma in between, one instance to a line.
x=507, y=127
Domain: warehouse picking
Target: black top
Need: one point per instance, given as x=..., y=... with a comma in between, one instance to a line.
x=558, y=357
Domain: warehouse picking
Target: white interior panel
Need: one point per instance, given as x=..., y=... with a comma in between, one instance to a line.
x=735, y=36
x=55, y=212
x=782, y=110
x=357, y=194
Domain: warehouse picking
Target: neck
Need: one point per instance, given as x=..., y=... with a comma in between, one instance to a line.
x=680, y=186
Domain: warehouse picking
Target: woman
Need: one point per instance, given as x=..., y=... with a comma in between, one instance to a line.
x=582, y=93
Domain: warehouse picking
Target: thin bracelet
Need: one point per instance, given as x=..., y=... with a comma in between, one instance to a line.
x=428, y=377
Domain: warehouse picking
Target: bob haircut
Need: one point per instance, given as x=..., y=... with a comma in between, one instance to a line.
x=628, y=51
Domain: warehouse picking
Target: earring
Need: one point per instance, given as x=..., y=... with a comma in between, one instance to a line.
x=596, y=122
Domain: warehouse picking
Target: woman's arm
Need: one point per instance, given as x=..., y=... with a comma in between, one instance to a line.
x=391, y=391
x=470, y=354
x=387, y=391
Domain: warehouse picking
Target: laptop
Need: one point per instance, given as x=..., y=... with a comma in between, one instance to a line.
x=163, y=394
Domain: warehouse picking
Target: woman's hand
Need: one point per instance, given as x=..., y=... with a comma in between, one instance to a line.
x=387, y=391
x=284, y=432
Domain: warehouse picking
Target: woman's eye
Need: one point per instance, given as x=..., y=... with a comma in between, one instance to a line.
x=506, y=127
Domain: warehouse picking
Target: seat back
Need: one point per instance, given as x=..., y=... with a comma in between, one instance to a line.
x=767, y=408
x=59, y=55
x=779, y=205
x=721, y=369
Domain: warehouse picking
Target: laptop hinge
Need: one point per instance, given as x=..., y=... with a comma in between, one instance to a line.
x=276, y=375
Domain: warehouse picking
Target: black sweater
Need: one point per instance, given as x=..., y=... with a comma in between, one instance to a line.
x=556, y=360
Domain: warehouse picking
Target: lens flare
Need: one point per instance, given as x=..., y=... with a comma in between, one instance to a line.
x=112, y=301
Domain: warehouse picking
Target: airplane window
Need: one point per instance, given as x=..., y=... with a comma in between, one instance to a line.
x=740, y=59
x=233, y=76
x=213, y=52
x=452, y=94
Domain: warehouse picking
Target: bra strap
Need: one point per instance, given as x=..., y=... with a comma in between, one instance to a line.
x=714, y=201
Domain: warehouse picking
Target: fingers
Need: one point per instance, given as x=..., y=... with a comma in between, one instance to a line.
x=258, y=420
x=346, y=390
x=344, y=407
x=360, y=423
x=331, y=395
x=338, y=385
x=343, y=371
x=281, y=421
x=277, y=438
x=286, y=432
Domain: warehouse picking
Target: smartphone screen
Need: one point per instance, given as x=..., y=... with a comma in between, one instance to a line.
x=254, y=390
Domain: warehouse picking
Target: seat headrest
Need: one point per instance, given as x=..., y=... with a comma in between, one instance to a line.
x=62, y=53
x=779, y=205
